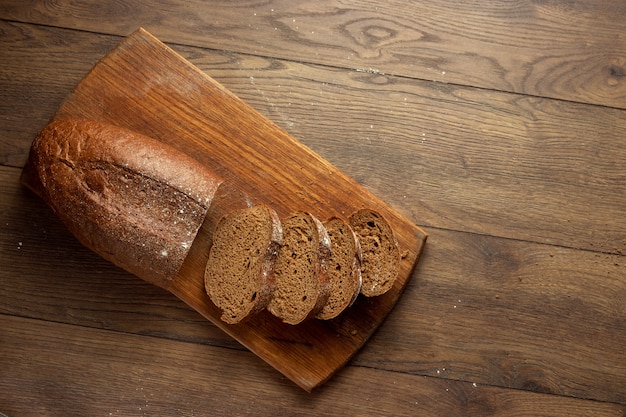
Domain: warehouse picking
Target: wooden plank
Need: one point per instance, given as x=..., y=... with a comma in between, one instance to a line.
x=145, y=86
x=445, y=156
x=39, y=66
x=488, y=310
x=571, y=50
x=53, y=369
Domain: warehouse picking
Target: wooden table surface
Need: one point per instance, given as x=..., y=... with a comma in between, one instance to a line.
x=498, y=127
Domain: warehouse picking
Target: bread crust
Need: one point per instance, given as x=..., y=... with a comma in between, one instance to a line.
x=323, y=253
x=132, y=199
x=354, y=275
x=221, y=292
x=322, y=247
x=269, y=260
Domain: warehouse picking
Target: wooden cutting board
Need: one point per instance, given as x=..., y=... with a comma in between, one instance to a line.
x=144, y=85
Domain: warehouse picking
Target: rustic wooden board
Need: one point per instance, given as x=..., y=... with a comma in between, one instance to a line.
x=146, y=86
x=464, y=156
x=488, y=310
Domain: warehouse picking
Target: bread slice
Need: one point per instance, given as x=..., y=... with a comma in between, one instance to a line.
x=344, y=268
x=132, y=199
x=239, y=273
x=381, y=256
x=301, y=271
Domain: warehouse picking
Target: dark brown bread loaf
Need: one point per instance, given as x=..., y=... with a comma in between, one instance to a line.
x=132, y=199
x=344, y=268
x=302, y=286
x=140, y=203
x=381, y=256
x=239, y=276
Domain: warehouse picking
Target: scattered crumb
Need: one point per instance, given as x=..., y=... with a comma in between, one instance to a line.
x=370, y=71
x=353, y=332
x=404, y=254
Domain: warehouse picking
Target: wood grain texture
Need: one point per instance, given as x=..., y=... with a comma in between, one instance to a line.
x=487, y=310
x=74, y=368
x=522, y=196
x=532, y=317
x=445, y=156
x=59, y=58
x=145, y=86
x=573, y=50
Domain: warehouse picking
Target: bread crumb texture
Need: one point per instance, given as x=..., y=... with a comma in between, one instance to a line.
x=296, y=273
x=381, y=257
x=235, y=276
x=344, y=268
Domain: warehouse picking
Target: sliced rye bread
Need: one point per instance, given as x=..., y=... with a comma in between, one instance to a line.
x=302, y=285
x=344, y=268
x=239, y=273
x=381, y=256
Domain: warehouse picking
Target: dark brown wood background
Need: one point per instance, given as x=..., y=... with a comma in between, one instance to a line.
x=498, y=127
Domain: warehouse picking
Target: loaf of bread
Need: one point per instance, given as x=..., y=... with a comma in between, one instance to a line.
x=132, y=199
x=301, y=269
x=140, y=203
x=239, y=276
x=381, y=256
x=344, y=268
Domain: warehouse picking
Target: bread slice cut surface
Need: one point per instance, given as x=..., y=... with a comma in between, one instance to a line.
x=302, y=286
x=239, y=275
x=344, y=268
x=381, y=256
